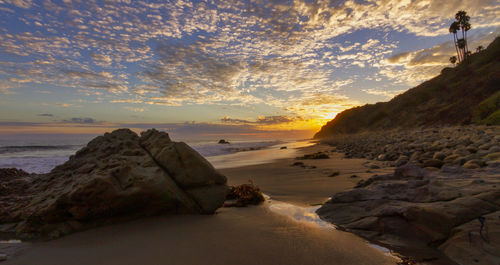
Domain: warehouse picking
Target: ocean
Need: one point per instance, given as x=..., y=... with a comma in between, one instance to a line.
x=41, y=153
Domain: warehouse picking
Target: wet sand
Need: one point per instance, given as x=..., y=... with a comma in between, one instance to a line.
x=253, y=235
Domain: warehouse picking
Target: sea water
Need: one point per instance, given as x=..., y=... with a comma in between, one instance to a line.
x=41, y=153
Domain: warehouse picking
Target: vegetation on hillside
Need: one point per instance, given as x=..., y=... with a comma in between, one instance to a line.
x=466, y=94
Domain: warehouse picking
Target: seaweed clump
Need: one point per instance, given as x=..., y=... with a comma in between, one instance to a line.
x=244, y=195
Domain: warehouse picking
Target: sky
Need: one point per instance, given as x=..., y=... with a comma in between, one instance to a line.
x=266, y=69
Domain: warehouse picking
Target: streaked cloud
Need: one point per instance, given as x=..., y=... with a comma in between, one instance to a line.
x=81, y=120
x=57, y=104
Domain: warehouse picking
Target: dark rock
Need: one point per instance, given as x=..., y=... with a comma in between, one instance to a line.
x=439, y=156
x=371, y=165
x=334, y=174
x=318, y=155
x=433, y=163
x=298, y=164
x=222, y=141
x=410, y=170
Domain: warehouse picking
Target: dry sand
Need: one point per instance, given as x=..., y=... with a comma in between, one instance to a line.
x=253, y=235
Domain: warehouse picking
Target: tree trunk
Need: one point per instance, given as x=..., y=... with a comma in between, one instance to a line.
x=456, y=47
x=466, y=44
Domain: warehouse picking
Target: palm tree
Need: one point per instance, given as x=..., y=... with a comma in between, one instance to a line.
x=462, y=24
x=462, y=18
x=454, y=28
x=453, y=59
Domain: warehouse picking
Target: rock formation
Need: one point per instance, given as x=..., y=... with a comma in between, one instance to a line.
x=118, y=175
x=448, y=216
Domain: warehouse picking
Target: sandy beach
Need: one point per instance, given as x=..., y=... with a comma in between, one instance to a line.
x=252, y=235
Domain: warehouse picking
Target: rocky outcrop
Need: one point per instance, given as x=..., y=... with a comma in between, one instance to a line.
x=118, y=175
x=447, y=216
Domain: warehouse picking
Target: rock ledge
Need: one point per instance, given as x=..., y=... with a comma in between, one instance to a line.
x=449, y=216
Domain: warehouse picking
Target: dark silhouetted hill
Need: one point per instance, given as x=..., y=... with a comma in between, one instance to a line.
x=466, y=94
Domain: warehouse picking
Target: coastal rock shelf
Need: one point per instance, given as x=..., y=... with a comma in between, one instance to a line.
x=116, y=176
x=451, y=215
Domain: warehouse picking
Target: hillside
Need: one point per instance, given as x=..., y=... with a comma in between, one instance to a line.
x=466, y=94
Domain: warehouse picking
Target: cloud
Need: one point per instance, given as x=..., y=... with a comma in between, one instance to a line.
x=400, y=58
x=57, y=104
x=262, y=120
x=6, y=86
x=437, y=55
x=134, y=109
x=81, y=120
x=417, y=66
x=385, y=93
x=371, y=43
x=191, y=73
x=45, y=115
x=19, y=3
x=102, y=60
x=274, y=119
x=227, y=119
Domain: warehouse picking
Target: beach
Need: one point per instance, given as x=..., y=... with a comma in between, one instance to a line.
x=281, y=231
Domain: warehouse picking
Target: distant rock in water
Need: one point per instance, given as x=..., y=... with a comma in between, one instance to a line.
x=222, y=141
x=116, y=176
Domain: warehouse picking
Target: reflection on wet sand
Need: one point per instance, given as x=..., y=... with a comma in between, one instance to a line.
x=307, y=215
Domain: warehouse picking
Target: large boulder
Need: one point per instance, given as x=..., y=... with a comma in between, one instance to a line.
x=116, y=176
